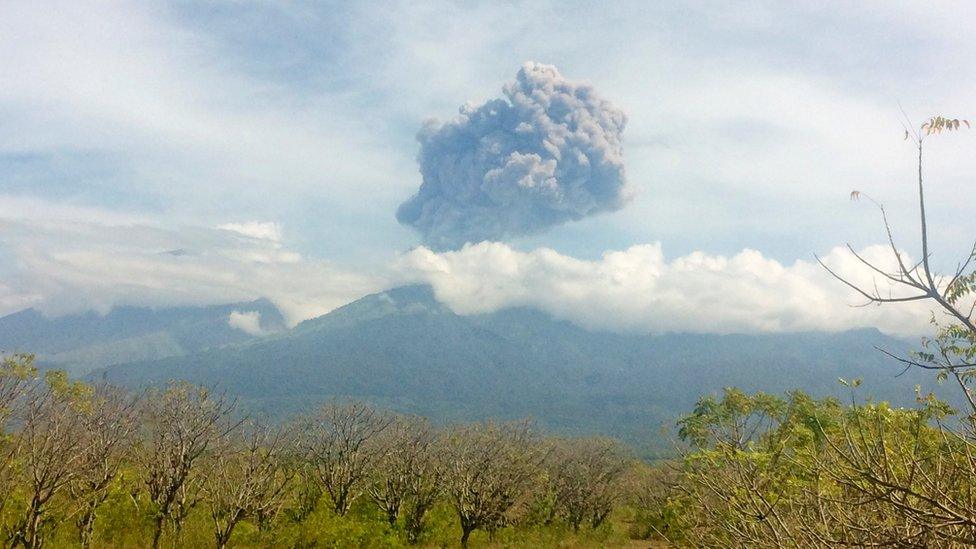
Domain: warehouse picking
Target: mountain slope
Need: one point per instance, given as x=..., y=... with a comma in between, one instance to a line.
x=81, y=342
x=403, y=350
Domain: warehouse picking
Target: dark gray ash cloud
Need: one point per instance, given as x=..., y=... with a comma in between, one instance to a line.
x=547, y=152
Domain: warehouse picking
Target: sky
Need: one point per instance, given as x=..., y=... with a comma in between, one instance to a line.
x=677, y=166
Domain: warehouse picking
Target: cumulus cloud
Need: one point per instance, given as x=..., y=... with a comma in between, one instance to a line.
x=546, y=153
x=248, y=322
x=64, y=267
x=637, y=289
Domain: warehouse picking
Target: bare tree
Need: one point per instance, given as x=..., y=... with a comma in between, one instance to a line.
x=17, y=373
x=182, y=423
x=340, y=443
x=388, y=480
x=247, y=478
x=584, y=475
x=405, y=478
x=54, y=449
x=922, y=483
x=108, y=424
x=955, y=346
x=487, y=469
x=424, y=483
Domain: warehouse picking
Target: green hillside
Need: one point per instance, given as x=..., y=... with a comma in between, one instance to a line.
x=403, y=350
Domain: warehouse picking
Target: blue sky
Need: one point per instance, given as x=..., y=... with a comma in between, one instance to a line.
x=129, y=129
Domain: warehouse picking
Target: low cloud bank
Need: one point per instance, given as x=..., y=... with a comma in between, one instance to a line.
x=549, y=152
x=64, y=267
x=637, y=289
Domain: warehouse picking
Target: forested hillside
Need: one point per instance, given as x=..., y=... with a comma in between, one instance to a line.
x=402, y=350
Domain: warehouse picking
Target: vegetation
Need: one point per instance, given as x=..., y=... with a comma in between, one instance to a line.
x=798, y=472
x=92, y=465
x=764, y=471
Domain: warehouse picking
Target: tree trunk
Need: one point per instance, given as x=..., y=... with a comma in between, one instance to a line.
x=222, y=535
x=86, y=525
x=598, y=519
x=341, y=502
x=414, y=524
x=465, y=534
x=29, y=536
x=158, y=531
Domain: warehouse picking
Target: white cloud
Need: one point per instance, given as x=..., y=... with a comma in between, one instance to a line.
x=61, y=267
x=248, y=322
x=130, y=82
x=21, y=207
x=637, y=289
x=66, y=266
x=267, y=230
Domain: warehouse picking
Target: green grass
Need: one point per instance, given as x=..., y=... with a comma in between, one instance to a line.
x=123, y=524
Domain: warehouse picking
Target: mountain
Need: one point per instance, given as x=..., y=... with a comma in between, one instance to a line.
x=78, y=343
x=403, y=350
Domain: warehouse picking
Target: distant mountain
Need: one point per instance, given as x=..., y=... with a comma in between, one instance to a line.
x=403, y=350
x=79, y=343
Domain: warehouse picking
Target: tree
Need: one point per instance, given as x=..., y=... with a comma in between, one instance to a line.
x=651, y=491
x=54, y=449
x=405, y=477
x=487, y=469
x=953, y=350
x=905, y=466
x=736, y=475
x=816, y=474
x=584, y=475
x=340, y=443
x=308, y=491
x=247, y=478
x=922, y=497
x=107, y=424
x=17, y=373
x=182, y=423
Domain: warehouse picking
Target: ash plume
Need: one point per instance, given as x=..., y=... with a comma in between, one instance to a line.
x=547, y=152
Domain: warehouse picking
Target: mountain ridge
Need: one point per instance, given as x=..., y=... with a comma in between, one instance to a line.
x=82, y=341
x=403, y=350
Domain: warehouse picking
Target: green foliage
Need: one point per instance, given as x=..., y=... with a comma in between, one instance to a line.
x=16, y=372
x=124, y=523
x=761, y=470
x=18, y=366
